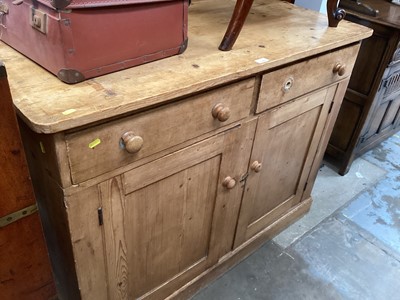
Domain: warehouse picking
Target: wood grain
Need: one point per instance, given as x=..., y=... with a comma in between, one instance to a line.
x=25, y=271
x=304, y=76
x=285, y=143
x=45, y=103
x=87, y=243
x=168, y=219
x=115, y=242
x=160, y=129
x=171, y=224
x=339, y=92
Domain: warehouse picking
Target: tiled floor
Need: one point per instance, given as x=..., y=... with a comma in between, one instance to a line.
x=347, y=247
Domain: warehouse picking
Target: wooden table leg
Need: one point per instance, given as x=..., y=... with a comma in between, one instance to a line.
x=335, y=14
x=239, y=16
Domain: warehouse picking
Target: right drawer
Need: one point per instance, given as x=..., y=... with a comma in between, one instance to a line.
x=282, y=85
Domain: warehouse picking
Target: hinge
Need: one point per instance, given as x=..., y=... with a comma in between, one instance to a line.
x=100, y=215
x=360, y=140
x=15, y=216
x=330, y=108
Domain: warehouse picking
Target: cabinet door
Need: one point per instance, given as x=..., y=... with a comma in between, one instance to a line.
x=167, y=221
x=391, y=115
x=285, y=145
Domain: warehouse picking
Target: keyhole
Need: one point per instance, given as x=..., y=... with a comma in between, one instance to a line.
x=288, y=85
x=37, y=21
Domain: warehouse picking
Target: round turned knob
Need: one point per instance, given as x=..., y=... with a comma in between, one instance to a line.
x=221, y=112
x=133, y=143
x=229, y=183
x=256, y=166
x=339, y=69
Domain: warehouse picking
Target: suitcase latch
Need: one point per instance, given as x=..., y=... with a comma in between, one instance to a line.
x=38, y=20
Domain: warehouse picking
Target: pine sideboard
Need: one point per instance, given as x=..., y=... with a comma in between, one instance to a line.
x=154, y=180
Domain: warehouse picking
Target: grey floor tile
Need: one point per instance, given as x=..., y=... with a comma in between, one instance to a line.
x=377, y=209
x=270, y=273
x=337, y=254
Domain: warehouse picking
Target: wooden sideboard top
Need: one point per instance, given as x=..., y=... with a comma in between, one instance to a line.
x=389, y=13
x=274, y=34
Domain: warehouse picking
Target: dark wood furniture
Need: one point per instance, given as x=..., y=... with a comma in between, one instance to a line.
x=370, y=110
x=24, y=264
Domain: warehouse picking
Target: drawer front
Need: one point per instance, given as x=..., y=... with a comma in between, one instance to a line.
x=282, y=85
x=105, y=147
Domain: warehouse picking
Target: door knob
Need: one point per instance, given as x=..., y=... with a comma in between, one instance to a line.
x=221, y=112
x=229, y=183
x=256, y=166
x=133, y=143
x=339, y=69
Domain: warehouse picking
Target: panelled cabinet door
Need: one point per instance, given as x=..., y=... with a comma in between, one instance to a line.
x=166, y=222
x=285, y=145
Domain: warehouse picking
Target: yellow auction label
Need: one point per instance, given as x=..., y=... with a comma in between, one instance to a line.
x=42, y=147
x=68, y=111
x=95, y=143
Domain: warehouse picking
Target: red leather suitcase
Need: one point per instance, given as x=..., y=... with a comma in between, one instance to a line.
x=81, y=39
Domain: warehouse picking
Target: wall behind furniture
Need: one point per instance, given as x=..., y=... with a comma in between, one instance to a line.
x=318, y=5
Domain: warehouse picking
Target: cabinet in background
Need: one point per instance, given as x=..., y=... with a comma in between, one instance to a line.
x=370, y=110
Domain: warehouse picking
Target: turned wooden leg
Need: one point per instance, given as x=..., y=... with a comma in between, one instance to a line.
x=239, y=16
x=335, y=14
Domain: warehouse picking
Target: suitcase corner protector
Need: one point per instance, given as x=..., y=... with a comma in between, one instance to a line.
x=60, y=4
x=70, y=76
x=3, y=72
x=183, y=46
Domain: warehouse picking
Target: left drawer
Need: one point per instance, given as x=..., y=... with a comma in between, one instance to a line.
x=105, y=147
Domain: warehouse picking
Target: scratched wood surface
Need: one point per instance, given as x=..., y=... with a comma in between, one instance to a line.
x=49, y=106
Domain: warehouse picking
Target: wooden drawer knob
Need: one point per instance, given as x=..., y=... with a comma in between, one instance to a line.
x=229, y=183
x=339, y=69
x=133, y=143
x=256, y=166
x=221, y=112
